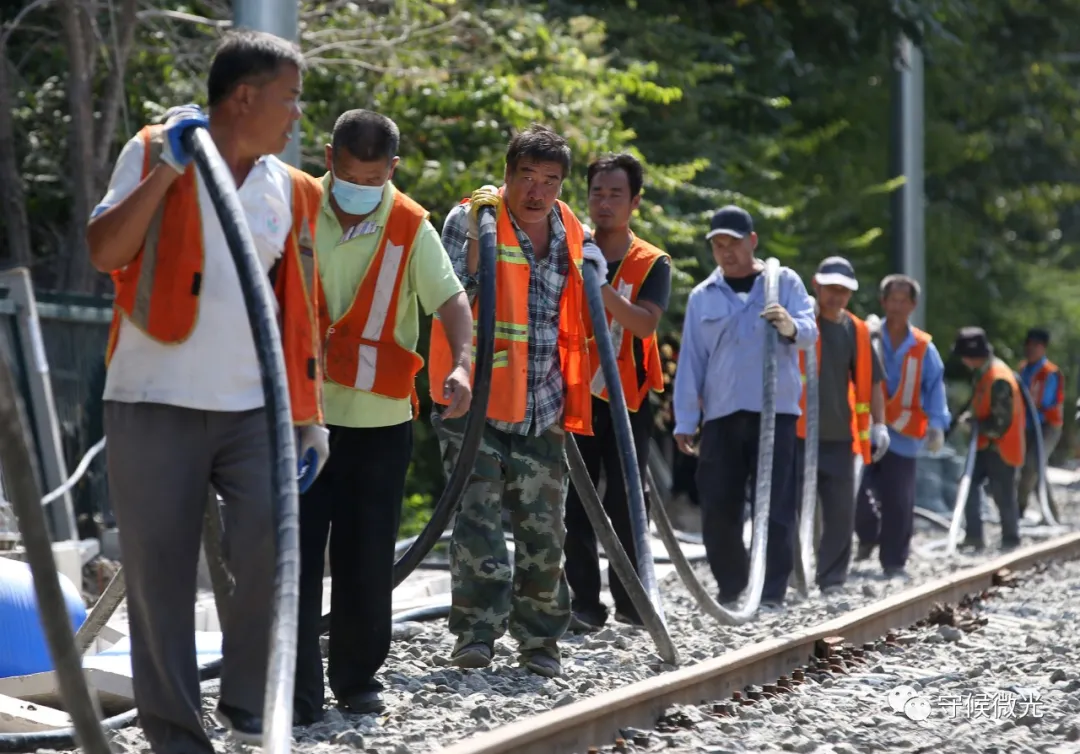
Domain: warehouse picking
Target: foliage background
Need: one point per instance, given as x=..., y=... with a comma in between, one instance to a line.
x=780, y=105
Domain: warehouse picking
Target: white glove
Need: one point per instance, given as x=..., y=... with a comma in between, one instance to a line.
x=935, y=439
x=778, y=317
x=593, y=254
x=879, y=442
x=312, y=450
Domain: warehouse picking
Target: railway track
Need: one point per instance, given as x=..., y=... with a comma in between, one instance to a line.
x=596, y=722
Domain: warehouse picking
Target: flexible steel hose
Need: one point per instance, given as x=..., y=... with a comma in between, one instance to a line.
x=804, y=573
x=962, y=491
x=1040, y=454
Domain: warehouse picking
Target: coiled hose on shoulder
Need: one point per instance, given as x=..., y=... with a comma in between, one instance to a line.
x=751, y=600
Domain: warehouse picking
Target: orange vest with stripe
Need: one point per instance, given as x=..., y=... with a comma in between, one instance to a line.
x=158, y=291
x=1011, y=444
x=1055, y=415
x=632, y=271
x=360, y=348
x=859, y=390
x=903, y=409
x=509, y=374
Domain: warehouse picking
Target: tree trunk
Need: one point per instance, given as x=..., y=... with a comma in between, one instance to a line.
x=12, y=194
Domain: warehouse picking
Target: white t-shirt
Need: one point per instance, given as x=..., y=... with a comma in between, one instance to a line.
x=216, y=368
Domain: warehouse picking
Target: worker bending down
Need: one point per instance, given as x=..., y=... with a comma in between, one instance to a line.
x=719, y=379
x=635, y=295
x=851, y=415
x=539, y=391
x=916, y=413
x=380, y=262
x=998, y=407
x=1047, y=387
x=184, y=404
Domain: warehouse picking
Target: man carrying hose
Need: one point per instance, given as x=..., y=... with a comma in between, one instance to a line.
x=851, y=415
x=719, y=379
x=916, y=412
x=998, y=407
x=380, y=260
x=635, y=296
x=1044, y=381
x=184, y=404
x=539, y=391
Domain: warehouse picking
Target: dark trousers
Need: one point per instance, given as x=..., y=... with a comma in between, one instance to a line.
x=356, y=501
x=836, y=498
x=601, y=451
x=1001, y=478
x=885, y=511
x=726, y=464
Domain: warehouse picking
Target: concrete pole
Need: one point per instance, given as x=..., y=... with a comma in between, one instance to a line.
x=907, y=159
x=280, y=17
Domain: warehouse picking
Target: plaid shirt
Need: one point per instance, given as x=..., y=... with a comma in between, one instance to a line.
x=544, y=398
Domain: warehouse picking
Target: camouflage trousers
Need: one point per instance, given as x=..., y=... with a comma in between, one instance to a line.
x=526, y=475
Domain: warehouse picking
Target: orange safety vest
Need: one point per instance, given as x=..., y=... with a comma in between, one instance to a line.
x=509, y=374
x=1011, y=444
x=632, y=271
x=1055, y=415
x=903, y=409
x=360, y=348
x=859, y=390
x=158, y=291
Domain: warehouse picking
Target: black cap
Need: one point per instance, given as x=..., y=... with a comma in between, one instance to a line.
x=972, y=343
x=837, y=271
x=1038, y=335
x=731, y=221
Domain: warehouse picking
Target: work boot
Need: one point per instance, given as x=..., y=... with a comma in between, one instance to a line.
x=472, y=656
x=976, y=545
x=629, y=619
x=368, y=702
x=542, y=664
x=897, y=574
x=864, y=551
x=243, y=726
x=587, y=620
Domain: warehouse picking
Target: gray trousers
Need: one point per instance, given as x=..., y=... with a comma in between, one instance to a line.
x=161, y=461
x=836, y=500
x=1029, y=472
x=1000, y=477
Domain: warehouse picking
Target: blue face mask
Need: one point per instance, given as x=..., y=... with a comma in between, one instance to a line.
x=355, y=199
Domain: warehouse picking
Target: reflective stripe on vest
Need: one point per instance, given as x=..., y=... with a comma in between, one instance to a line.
x=1011, y=444
x=509, y=376
x=158, y=292
x=633, y=269
x=903, y=409
x=360, y=349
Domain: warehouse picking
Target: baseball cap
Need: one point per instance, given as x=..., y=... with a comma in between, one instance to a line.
x=730, y=221
x=972, y=343
x=837, y=271
x=1038, y=335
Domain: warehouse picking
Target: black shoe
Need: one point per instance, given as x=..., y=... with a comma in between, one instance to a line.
x=588, y=620
x=864, y=551
x=243, y=726
x=304, y=718
x=629, y=618
x=363, y=703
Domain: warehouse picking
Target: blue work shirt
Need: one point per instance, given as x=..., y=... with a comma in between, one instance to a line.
x=931, y=391
x=1050, y=386
x=722, y=358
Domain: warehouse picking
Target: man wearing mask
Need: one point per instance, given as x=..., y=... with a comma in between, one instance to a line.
x=635, y=296
x=851, y=415
x=1044, y=381
x=719, y=380
x=998, y=407
x=380, y=262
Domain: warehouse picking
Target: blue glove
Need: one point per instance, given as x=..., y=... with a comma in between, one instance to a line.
x=177, y=121
x=312, y=450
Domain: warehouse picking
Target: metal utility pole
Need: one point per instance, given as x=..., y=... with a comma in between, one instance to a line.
x=906, y=159
x=280, y=17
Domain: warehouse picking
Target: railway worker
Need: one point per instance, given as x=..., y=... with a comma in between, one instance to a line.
x=851, y=417
x=539, y=391
x=183, y=395
x=1043, y=379
x=381, y=260
x=719, y=380
x=635, y=296
x=998, y=407
x=916, y=413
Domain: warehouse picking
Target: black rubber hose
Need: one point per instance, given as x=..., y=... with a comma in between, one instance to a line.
x=474, y=423
x=20, y=470
x=624, y=437
x=255, y=285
